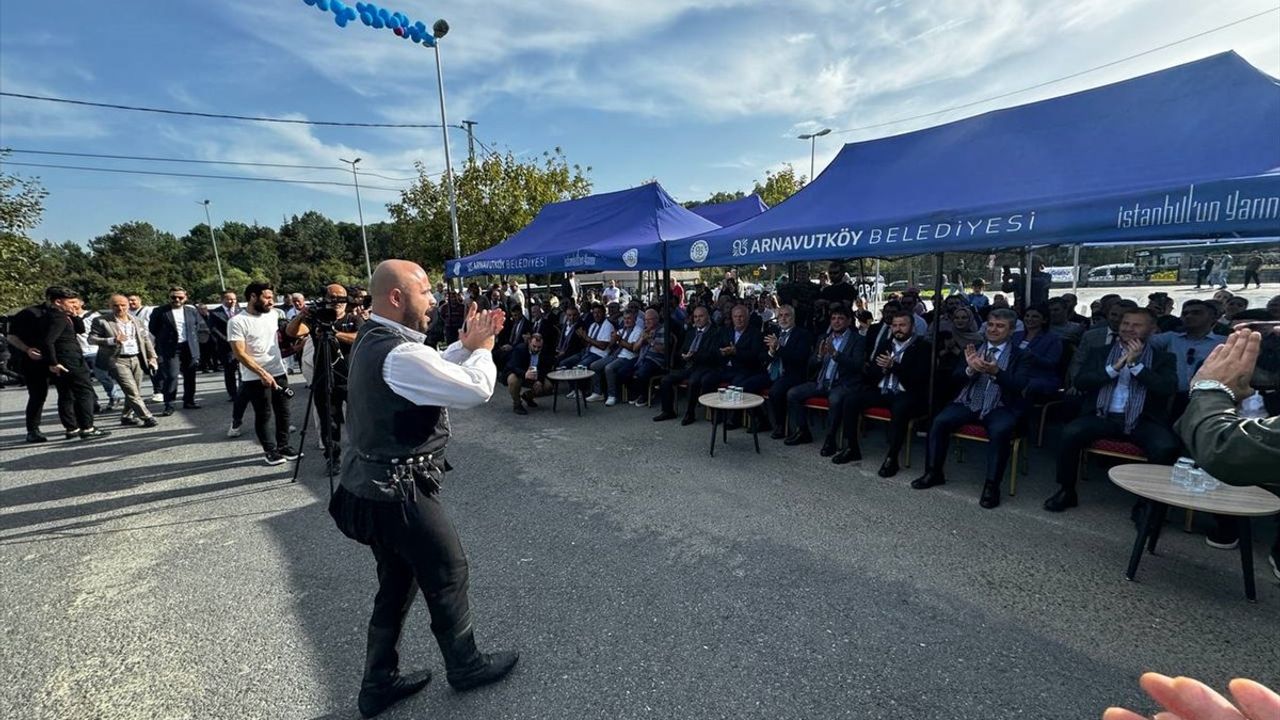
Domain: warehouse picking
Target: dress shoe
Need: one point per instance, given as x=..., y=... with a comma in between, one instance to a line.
x=73, y=434
x=383, y=685
x=466, y=667
x=847, y=455
x=128, y=421
x=167, y=411
x=688, y=420
x=660, y=417
x=94, y=433
x=35, y=436
x=1062, y=500
x=150, y=422
x=889, y=467
x=990, y=495
x=799, y=437
x=527, y=396
x=518, y=408
x=193, y=405
x=779, y=433
x=928, y=480
x=828, y=448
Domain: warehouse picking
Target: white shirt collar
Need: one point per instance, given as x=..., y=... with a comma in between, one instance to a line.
x=413, y=335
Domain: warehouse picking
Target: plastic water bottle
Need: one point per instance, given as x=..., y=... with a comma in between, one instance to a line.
x=1181, y=475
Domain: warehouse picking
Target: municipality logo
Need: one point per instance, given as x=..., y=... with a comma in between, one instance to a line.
x=457, y=268
x=699, y=250
x=631, y=258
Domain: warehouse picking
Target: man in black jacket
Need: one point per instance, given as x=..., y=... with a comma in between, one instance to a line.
x=65, y=359
x=174, y=329
x=570, y=344
x=702, y=365
x=788, y=351
x=1127, y=388
x=897, y=379
x=745, y=360
x=218, y=319
x=527, y=372
x=879, y=331
x=840, y=357
x=994, y=376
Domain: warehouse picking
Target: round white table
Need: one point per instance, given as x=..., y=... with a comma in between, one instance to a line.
x=1154, y=485
x=721, y=407
x=573, y=376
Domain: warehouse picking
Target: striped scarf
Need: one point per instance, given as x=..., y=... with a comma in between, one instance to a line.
x=1137, y=391
x=982, y=394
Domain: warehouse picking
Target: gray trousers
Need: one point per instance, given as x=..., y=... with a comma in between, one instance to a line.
x=127, y=372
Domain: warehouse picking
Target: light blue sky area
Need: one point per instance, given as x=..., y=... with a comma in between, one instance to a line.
x=704, y=95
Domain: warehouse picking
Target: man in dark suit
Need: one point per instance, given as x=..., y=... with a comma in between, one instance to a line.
x=527, y=370
x=879, y=331
x=745, y=360
x=994, y=375
x=512, y=335
x=218, y=319
x=840, y=357
x=542, y=324
x=1127, y=388
x=1101, y=336
x=702, y=365
x=788, y=349
x=571, y=344
x=174, y=328
x=64, y=358
x=895, y=379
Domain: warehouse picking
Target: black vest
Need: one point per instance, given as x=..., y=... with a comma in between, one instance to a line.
x=383, y=428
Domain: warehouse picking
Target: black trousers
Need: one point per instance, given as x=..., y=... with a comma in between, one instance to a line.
x=230, y=369
x=330, y=408
x=415, y=546
x=777, y=399
x=180, y=363
x=902, y=406
x=1251, y=275
x=701, y=380
x=265, y=401
x=1159, y=443
x=37, y=379
x=837, y=399
x=1001, y=424
x=76, y=397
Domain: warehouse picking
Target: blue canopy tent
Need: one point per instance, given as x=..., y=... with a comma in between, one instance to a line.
x=1191, y=151
x=623, y=230
x=732, y=212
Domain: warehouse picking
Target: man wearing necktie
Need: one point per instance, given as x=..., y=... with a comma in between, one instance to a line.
x=1127, y=388
x=897, y=379
x=702, y=364
x=994, y=376
x=746, y=361
x=570, y=344
x=789, y=351
x=839, y=359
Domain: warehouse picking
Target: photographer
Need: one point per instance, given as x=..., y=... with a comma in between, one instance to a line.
x=331, y=317
x=265, y=385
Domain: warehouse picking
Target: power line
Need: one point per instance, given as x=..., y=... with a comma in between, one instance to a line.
x=200, y=175
x=1059, y=79
x=148, y=158
x=220, y=116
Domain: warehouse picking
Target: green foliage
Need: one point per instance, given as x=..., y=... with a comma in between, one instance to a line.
x=497, y=195
x=717, y=197
x=779, y=186
x=21, y=205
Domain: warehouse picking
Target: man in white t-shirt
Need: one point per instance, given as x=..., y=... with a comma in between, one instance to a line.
x=598, y=336
x=612, y=293
x=264, y=383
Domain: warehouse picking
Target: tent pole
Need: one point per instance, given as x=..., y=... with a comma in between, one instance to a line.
x=862, y=275
x=1075, y=270
x=937, y=322
x=665, y=294
x=876, y=283
x=1027, y=256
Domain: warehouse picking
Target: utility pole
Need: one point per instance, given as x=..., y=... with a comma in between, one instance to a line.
x=355, y=178
x=469, y=126
x=221, y=281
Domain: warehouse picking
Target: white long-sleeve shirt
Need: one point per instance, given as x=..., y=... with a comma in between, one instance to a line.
x=456, y=378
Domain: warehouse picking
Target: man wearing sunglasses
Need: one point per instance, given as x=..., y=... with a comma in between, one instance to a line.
x=1190, y=345
x=175, y=330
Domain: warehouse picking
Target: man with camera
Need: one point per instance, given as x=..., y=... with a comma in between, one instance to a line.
x=264, y=385
x=333, y=324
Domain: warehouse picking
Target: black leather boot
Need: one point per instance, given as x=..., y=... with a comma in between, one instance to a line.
x=468, y=668
x=383, y=686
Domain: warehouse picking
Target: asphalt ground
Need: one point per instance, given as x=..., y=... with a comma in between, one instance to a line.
x=168, y=573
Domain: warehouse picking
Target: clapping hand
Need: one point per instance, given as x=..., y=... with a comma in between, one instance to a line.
x=479, y=328
x=1133, y=349
x=884, y=360
x=771, y=342
x=1188, y=699
x=972, y=358
x=1232, y=362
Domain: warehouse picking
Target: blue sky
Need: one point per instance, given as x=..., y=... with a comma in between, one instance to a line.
x=704, y=95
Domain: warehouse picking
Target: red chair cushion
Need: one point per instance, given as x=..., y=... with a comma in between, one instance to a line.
x=879, y=413
x=817, y=403
x=1118, y=446
x=972, y=429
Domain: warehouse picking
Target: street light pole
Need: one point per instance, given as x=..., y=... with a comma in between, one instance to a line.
x=364, y=237
x=221, y=280
x=813, y=142
x=439, y=30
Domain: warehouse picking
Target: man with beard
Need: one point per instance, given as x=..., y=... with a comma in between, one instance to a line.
x=253, y=339
x=896, y=379
x=527, y=372
x=177, y=344
x=392, y=472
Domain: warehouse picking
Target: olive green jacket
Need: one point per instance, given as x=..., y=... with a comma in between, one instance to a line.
x=1235, y=450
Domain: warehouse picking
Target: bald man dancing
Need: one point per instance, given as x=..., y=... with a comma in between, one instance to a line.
x=393, y=467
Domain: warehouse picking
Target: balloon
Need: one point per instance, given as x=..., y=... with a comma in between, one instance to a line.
x=323, y=5
x=337, y=7
x=377, y=22
x=309, y=2
x=341, y=20
x=360, y=8
x=383, y=14
x=400, y=32
x=351, y=14
x=366, y=18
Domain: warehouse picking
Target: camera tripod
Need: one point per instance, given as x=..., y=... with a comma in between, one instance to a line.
x=326, y=350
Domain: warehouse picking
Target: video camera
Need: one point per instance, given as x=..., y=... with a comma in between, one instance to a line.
x=325, y=312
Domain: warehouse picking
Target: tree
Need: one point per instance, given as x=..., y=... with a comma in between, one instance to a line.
x=716, y=198
x=21, y=205
x=497, y=195
x=135, y=257
x=779, y=186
